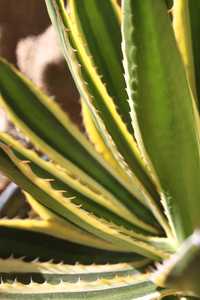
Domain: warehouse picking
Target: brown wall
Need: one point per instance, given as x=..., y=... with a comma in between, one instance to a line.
x=18, y=19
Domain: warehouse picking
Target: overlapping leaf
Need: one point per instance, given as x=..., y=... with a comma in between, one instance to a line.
x=111, y=201
x=96, y=97
x=73, y=282
x=163, y=112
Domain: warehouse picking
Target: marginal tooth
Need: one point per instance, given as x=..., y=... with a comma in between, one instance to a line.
x=79, y=205
x=62, y=191
x=24, y=162
x=22, y=258
x=36, y=260
x=61, y=283
x=18, y=129
x=68, y=30
x=27, y=140
x=79, y=280
x=49, y=179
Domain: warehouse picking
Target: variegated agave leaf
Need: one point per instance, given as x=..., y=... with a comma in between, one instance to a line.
x=125, y=204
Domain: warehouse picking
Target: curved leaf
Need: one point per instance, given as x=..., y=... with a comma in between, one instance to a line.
x=100, y=25
x=65, y=207
x=163, y=111
x=23, y=271
x=194, y=11
x=95, y=95
x=32, y=245
x=68, y=146
x=182, y=30
x=182, y=270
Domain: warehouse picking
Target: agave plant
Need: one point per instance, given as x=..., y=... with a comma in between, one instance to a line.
x=124, y=206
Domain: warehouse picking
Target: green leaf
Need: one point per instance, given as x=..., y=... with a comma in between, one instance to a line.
x=137, y=290
x=182, y=30
x=182, y=270
x=117, y=238
x=49, y=223
x=9, y=168
x=23, y=271
x=99, y=204
x=96, y=97
x=101, y=143
x=100, y=25
x=194, y=11
x=37, y=279
x=163, y=110
x=68, y=146
x=63, y=285
x=32, y=245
